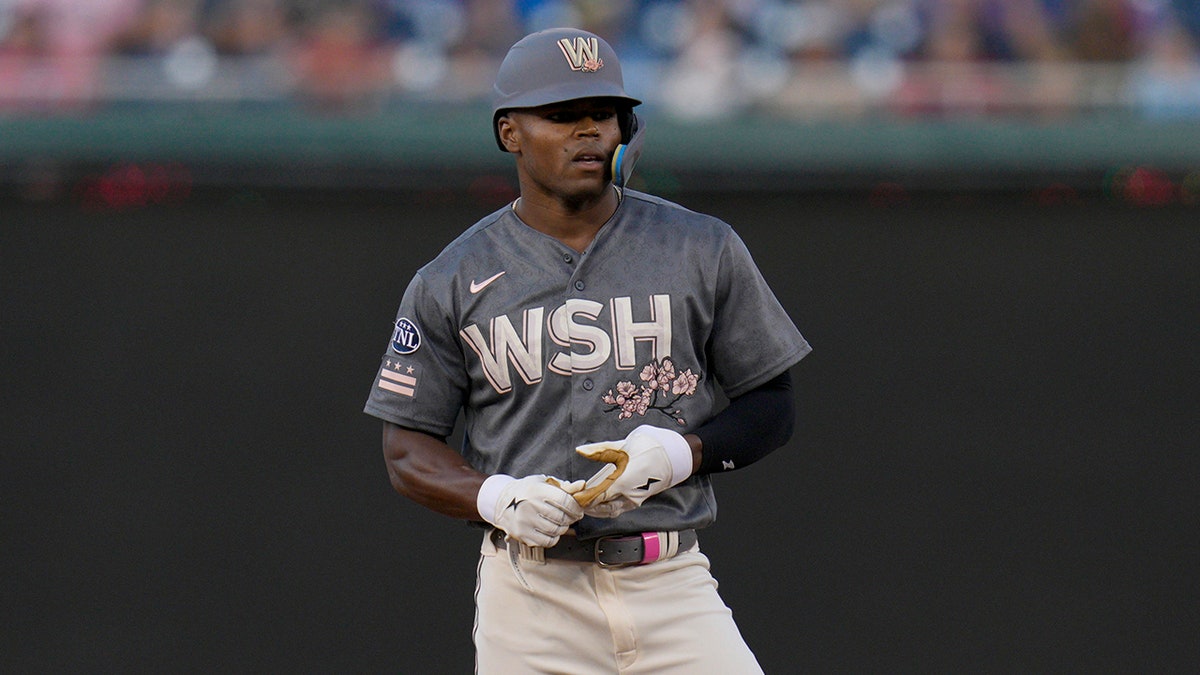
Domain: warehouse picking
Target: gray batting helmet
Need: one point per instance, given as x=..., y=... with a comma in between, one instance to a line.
x=556, y=65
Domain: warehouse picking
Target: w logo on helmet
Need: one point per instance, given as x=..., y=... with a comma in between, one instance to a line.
x=583, y=54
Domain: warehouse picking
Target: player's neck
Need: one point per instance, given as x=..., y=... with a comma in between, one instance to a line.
x=573, y=222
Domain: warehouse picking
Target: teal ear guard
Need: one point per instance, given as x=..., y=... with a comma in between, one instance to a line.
x=626, y=154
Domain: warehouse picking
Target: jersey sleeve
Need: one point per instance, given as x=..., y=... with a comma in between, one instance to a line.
x=753, y=337
x=421, y=380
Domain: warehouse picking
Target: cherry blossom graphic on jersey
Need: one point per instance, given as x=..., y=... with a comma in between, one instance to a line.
x=660, y=389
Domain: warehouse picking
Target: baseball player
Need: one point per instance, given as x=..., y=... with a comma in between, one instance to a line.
x=585, y=332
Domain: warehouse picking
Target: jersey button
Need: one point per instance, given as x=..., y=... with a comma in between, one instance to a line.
x=579, y=285
x=567, y=258
x=588, y=384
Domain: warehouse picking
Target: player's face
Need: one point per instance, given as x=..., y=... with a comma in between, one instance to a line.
x=565, y=149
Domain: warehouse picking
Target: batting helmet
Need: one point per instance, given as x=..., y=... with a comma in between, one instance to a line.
x=556, y=65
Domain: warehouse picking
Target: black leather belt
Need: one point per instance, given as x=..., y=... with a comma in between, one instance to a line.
x=619, y=550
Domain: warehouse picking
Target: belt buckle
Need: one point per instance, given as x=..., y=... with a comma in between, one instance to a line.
x=616, y=537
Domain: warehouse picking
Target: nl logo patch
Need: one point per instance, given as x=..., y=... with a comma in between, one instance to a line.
x=406, y=339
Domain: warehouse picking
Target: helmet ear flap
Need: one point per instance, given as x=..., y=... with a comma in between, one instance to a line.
x=627, y=153
x=628, y=122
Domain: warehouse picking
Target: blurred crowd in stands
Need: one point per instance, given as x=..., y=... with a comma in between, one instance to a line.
x=695, y=58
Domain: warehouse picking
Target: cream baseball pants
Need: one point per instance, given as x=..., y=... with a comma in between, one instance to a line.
x=581, y=618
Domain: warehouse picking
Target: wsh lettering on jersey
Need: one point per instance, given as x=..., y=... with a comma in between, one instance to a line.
x=587, y=334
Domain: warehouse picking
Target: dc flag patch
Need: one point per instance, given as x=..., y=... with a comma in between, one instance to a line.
x=406, y=339
x=398, y=378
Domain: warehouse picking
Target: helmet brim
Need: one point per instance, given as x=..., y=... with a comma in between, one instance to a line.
x=625, y=102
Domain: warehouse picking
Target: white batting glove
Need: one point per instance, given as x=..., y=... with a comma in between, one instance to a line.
x=655, y=459
x=530, y=509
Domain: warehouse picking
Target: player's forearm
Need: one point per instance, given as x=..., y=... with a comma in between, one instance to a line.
x=429, y=472
x=696, y=445
x=748, y=429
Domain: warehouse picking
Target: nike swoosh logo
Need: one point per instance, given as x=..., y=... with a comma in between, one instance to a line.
x=477, y=286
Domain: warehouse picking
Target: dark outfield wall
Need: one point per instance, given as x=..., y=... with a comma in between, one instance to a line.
x=998, y=428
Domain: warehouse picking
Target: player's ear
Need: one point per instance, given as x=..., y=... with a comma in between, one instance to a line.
x=506, y=131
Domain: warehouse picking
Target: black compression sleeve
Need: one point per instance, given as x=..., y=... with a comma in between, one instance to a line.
x=751, y=427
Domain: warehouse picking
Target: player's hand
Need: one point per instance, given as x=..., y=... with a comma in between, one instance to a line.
x=531, y=510
x=654, y=459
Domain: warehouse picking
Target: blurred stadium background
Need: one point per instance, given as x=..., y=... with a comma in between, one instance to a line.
x=147, y=96
x=983, y=214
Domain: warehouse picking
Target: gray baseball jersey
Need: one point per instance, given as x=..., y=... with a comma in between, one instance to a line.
x=544, y=348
